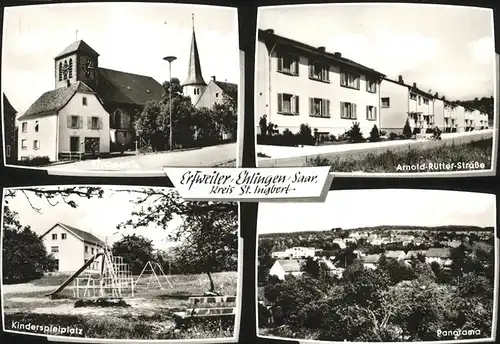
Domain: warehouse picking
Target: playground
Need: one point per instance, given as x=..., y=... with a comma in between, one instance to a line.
x=113, y=303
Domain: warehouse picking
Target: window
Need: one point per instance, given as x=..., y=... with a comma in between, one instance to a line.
x=70, y=69
x=74, y=122
x=36, y=144
x=349, y=80
x=371, y=113
x=24, y=144
x=347, y=110
x=8, y=151
x=288, y=104
x=54, y=236
x=217, y=95
x=386, y=102
x=63, y=236
x=419, y=100
x=65, y=70
x=426, y=101
x=413, y=96
x=24, y=127
x=319, y=107
x=92, y=250
x=86, y=249
x=319, y=71
x=60, y=71
x=288, y=64
x=84, y=101
x=94, y=123
x=54, y=249
x=371, y=86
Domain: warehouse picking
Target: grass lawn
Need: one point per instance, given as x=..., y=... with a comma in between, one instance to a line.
x=150, y=314
x=473, y=152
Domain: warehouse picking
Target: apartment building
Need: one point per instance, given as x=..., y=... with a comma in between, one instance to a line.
x=299, y=84
x=400, y=102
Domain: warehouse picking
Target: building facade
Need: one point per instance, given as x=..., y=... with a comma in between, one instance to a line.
x=10, y=131
x=300, y=84
x=69, y=121
x=72, y=248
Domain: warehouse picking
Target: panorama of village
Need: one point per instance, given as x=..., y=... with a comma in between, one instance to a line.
x=380, y=283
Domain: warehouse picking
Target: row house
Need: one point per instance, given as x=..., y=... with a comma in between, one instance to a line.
x=301, y=84
x=400, y=102
x=295, y=253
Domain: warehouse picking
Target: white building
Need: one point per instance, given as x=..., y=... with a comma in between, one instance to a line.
x=281, y=268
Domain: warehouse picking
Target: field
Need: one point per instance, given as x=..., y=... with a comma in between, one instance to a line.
x=149, y=314
x=479, y=152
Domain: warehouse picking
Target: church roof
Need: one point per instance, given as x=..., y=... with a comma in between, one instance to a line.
x=78, y=46
x=54, y=100
x=7, y=107
x=126, y=88
x=194, y=71
x=228, y=88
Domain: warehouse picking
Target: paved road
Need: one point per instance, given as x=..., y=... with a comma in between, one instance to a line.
x=203, y=157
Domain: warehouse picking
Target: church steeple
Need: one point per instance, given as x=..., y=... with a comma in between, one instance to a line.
x=194, y=77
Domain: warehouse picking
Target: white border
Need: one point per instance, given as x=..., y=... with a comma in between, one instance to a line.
x=237, y=317
x=480, y=340
x=135, y=173
x=496, y=71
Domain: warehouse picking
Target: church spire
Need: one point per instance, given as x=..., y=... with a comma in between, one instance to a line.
x=194, y=71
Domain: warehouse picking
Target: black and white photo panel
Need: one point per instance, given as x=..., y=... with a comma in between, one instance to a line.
x=119, y=263
x=366, y=266
x=381, y=89
x=97, y=95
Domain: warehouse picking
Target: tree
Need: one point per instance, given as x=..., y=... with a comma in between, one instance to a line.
x=207, y=237
x=354, y=134
x=135, y=250
x=24, y=257
x=226, y=115
x=407, y=129
x=374, y=134
x=265, y=258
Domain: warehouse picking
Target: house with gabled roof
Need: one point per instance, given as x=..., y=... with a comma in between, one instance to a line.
x=439, y=255
x=72, y=247
x=297, y=83
x=398, y=255
x=283, y=267
x=370, y=261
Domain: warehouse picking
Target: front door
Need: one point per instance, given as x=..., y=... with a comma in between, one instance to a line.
x=92, y=145
x=74, y=143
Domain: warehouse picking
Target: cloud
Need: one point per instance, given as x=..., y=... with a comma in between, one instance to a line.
x=483, y=50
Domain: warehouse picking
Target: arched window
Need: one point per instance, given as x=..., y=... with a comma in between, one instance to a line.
x=70, y=68
x=65, y=71
x=60, y=71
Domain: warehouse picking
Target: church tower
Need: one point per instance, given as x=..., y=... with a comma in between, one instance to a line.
x=78, y=62
x=194, y=84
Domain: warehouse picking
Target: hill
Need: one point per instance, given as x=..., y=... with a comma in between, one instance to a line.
x=484, y=104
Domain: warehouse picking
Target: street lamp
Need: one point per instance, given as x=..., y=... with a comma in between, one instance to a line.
x=170, y=59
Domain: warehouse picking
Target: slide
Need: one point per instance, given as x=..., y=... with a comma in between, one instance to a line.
x=75, y=275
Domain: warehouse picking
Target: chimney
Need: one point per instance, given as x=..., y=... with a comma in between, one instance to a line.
x=436, y=95
x=213, y=78
x=414, y=85
x=337, y=54
x=68, y=83
x=400, y=79
x=322, y=49
x=271, y=31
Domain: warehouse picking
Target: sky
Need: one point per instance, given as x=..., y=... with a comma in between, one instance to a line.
x=446, y=49
x=363, y=208
x=99, y=216
x=129, y=37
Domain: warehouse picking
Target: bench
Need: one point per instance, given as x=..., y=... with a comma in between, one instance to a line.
x=205, y=312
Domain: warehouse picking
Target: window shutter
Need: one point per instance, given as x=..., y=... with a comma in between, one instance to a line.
x=279, y=60
x=354, y=110
x=357, y=82
x=292, y=104
x=375, y=113
x=80, y=122
x=297, y=105
x=69, y=121
x=89, y=122
x=311, y=69
x=280, y=102
x=311, y=106
x=342, y=111
x=328, y=107
x=368, y=112
x=296, y=65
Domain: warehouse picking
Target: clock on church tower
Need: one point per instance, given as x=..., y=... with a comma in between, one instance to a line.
x=87, y=67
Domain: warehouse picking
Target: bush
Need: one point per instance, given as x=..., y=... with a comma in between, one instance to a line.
x=383, y=133
x=393, y=136
x=416, y=131
x=333, y=138
x=375, y=134
x=35, y=161
x=304, y=136
x=407, y=129
x=355, y=135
